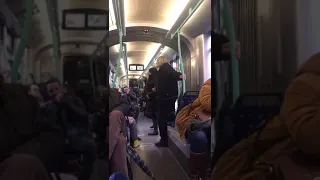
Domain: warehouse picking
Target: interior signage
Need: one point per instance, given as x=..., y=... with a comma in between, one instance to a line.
x=136, y=67
x=85, y=19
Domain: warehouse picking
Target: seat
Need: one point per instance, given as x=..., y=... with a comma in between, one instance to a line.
x=249, y=114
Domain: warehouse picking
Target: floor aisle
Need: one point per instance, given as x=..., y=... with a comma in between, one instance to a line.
x=160, y=160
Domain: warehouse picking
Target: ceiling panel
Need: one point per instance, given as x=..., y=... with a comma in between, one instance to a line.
x=153, y=13
x=138, y=52
x=200, y=21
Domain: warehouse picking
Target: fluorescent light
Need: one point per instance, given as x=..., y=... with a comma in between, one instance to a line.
x=168, y=15
x=152, y=49
x=112, y=17
x=122, y=66
x=174, y=12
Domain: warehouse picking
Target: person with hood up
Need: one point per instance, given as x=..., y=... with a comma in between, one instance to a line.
x=295, y=128
x=152, y=99
x=198, y=138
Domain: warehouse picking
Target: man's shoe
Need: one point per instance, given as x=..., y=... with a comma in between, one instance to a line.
x=161, y=144
x=154, y=133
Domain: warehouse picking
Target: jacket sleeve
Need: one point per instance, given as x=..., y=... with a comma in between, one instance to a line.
x=217, y=41
x=205, y=97
x=173, y=73
x=132, y=95
x=301, y=113
x=75, y=105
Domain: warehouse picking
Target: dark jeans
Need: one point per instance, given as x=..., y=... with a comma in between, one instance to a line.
x=135, y=111
x=87, y=147
x=198, y=141
x=164, y=109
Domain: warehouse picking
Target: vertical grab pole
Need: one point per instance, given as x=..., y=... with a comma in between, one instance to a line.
x=234, y=62
x=23, y=41
x=56, y=54
x=127, y=77
x=52, y=11
x=119, y=58
x=92, y=74
x=181, y=63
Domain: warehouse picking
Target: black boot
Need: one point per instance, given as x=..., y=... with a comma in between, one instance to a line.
x=162, y=143
x=154, y=133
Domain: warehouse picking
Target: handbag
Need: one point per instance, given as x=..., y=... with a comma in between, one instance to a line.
x=198, y=125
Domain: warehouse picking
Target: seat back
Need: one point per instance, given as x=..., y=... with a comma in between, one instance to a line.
x=250, y=112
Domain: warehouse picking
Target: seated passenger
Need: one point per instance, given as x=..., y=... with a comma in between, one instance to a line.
x=69, y=113
x=127, y=111
x=33, y=90
x=24, y=132
x=117, y=134
x=197, y=137
x=296, y=127
x=22, y=166
x=133, y=101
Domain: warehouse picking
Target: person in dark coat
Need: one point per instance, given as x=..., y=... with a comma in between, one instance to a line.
x=69, y=113
x=24, y=132
x=167, y=94
x=151, y=96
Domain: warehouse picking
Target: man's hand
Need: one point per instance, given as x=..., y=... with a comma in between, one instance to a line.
x=226, y=49
x=183, y=77
x=59, y=97
x=203, y=115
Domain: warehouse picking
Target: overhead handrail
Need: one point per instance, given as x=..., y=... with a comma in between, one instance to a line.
x=229, y=25
x=18, y=55
x=191, y=12
x=170, y=35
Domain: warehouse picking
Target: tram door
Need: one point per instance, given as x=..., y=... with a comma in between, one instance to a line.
x=133, y=83
x=76, y=72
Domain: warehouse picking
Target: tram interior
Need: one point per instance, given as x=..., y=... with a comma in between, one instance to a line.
x=146, y=38
x=86, y=44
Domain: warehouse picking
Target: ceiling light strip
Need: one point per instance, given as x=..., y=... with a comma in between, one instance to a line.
x=154, y=58
x=173, y=31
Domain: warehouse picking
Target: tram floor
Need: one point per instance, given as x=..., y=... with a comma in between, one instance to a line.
x=161, y=161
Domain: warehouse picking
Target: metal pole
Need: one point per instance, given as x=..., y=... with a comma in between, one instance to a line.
x=119, y=58
x=234, y=62
x=23, y=41
x=181, y=63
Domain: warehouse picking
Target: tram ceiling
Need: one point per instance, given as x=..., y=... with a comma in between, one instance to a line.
x=148, y=22
x=155, y=35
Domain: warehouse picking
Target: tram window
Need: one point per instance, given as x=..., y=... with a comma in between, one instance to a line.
x=132, y=68
x=140, y=68
x=97, y=20
x=174, y=65
x=74, y=20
